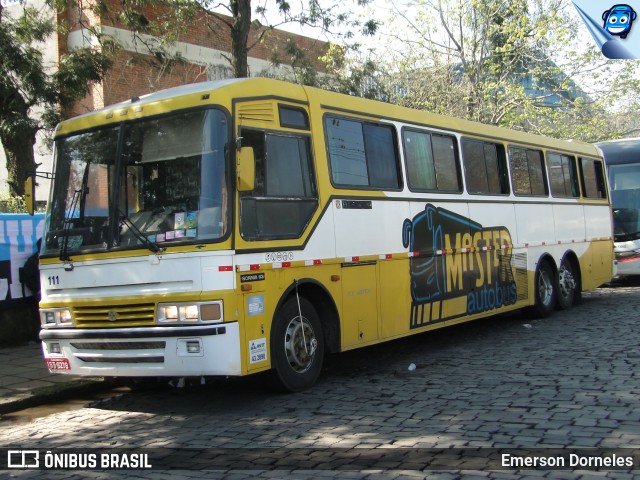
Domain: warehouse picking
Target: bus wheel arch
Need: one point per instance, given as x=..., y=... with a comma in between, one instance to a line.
x=324, y=305
x=296, y=367
x=569, y=281
x=545, y=288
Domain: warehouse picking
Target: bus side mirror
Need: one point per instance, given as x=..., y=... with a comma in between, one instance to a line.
x=246, y=170
x=30, y=194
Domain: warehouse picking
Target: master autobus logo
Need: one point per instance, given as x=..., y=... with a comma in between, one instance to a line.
x=457, y=258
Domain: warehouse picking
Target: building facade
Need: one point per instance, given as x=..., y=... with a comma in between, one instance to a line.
x=203, y=50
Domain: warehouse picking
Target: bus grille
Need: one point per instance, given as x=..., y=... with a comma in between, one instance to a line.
x=106, y=316
x=122, y=359
x=118, y=345
x=110, y=352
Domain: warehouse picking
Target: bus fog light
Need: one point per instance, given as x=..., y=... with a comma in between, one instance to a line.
x=193, y=346
x=54, y=348
x=190, y=347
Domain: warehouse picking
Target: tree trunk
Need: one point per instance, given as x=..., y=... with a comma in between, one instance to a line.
x=241, y=10
x=20, y=160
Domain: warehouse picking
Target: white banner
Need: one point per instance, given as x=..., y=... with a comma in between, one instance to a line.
x=19, y=234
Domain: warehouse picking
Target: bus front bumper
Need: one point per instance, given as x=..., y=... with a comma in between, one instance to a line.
x=144, y=352
x=627, y=265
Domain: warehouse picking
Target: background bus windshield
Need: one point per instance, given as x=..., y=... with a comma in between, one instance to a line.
x=625, y=196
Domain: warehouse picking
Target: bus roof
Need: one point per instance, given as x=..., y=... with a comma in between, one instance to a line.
x=165, y=94
x=420, y=117
x=263, y=87
x=617, y=152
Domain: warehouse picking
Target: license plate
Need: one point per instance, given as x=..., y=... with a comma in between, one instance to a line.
x=55, y=364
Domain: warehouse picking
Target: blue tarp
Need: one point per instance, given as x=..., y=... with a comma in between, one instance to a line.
x=19, y=234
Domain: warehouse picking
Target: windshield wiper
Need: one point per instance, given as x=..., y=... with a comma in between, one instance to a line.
x=77, y=199
x=124, y=220
x=68, y=227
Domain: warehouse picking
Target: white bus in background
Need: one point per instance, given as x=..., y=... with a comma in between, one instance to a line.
x=622, y=158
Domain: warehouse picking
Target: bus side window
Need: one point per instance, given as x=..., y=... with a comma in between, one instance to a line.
x=362, y=154
x=527, y=171
x=484, y=167
x=592, y=176
x=293, y=117
x=431, y=161
x=285, y=196
x=562, y=175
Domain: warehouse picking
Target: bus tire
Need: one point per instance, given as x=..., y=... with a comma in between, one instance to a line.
x=567, y=285
x=297, y=347
x=545, y=291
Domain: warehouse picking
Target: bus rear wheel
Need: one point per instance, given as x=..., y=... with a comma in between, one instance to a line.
x=567, y=285
x=297, y=345
x=545, y=291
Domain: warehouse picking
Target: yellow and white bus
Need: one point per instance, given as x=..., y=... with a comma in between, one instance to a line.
x=238, y=226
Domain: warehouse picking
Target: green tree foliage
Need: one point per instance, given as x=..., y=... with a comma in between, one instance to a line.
x=353, y=72
x=12, y=204
x=503, y=62
x=32, y=96
x=332, y=18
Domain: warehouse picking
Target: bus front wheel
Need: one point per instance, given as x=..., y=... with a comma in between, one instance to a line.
x=545, y=291
x=297, y=345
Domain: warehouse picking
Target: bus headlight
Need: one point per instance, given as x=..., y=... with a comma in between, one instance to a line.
x=189, y=313
x=200, y=312
x=48, y=318
x=168, y=313
x=56, y=317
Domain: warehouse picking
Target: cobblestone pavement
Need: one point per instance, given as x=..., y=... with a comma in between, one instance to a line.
x=568, y=382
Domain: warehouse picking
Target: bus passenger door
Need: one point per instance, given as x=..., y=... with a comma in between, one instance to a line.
x=360, y=304
x=277, y=213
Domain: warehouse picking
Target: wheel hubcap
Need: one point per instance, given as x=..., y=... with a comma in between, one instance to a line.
x=545, y=288
x=566, y=281
x=300, y=344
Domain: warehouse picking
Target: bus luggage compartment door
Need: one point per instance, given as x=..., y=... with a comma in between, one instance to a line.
x=360, y=304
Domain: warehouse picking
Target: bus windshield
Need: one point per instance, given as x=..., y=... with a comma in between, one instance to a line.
x=154, y=182
x=625, y=197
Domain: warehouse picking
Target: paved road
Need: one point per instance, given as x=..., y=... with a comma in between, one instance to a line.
x=568, y=382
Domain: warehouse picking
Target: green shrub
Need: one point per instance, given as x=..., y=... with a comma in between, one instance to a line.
x=12, y=204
